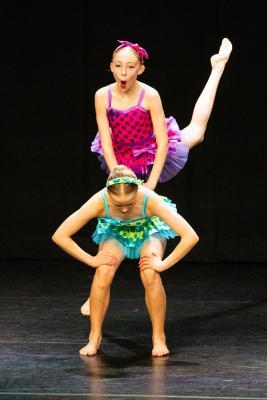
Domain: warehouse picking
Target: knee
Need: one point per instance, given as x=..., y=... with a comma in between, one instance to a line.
x=199, y=135
x=149, y=277
x=200, y=139
x=104, y=275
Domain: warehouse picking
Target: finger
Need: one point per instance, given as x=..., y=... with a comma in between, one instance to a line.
x=145, y=258
x=108, y=263
x=145, y=264
x=143, y=267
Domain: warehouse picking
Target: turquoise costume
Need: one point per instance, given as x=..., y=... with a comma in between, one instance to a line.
x=132, y=233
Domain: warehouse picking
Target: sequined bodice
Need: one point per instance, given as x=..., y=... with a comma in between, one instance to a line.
x=132, y=127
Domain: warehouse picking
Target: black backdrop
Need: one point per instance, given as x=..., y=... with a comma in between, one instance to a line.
x=55, y=56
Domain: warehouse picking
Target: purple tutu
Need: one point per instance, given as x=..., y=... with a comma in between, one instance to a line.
x=140, y=156
x=178, y=152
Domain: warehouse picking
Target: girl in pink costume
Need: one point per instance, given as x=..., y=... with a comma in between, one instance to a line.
x=132, y=128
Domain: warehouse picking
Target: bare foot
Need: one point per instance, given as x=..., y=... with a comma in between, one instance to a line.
x=85, y=308
x=91, y=348
x=219, y=60
x=160, y=349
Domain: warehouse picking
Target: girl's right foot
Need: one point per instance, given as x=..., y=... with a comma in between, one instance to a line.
x=91, y=348
x=85, y=308
x=219, y=60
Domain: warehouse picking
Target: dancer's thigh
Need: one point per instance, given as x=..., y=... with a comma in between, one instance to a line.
x=154, y=244
x=192, y=135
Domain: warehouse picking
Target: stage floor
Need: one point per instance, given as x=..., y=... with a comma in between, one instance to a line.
x=216, y=328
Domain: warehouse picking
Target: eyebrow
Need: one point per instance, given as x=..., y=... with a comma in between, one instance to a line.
x=129, y=62
x=123, y=204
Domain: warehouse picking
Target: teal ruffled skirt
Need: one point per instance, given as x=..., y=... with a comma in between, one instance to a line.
x=132, y=233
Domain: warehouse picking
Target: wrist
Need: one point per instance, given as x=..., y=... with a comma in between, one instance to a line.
x=164, y=266
x=151, y=183
x=90, y=261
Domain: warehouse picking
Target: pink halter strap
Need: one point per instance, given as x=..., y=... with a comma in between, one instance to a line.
x=141, y=97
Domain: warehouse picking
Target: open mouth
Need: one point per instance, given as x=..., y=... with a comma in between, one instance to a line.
x=123, y=84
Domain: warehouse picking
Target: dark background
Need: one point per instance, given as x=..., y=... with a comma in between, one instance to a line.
x=55, y=55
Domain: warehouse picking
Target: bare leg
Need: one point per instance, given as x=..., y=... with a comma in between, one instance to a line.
x=100, y=286
x=155, y=298
x=193, y=134
x=99, y=297
x=85, y=308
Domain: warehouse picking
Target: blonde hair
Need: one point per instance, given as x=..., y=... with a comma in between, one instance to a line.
x=123, y=188
x=139, y=58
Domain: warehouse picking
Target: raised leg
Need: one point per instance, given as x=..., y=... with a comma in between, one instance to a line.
x=194, y=133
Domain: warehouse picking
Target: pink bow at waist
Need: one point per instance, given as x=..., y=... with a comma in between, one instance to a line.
x=152, y=148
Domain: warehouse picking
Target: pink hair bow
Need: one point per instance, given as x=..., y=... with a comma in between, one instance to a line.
x=140, y=50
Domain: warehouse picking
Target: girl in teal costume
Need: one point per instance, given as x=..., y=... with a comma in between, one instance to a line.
x=133, y=222
x=131, y=233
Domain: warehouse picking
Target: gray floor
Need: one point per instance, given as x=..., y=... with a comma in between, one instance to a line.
x=216, y=329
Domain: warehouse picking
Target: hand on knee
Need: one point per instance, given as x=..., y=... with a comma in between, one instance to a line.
x=151, y=260
x=105, y=257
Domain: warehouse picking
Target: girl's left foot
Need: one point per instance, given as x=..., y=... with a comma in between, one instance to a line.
x=85, y=308
x=160, y=349
x=219, y=60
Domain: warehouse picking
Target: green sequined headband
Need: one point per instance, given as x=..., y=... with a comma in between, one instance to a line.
x=124, y=179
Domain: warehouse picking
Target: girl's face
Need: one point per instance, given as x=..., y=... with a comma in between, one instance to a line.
x=124, y=202
x=126, y=67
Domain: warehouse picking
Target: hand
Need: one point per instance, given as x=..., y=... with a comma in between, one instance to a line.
x=152, y=261
x=104, y=257
x=150, y=185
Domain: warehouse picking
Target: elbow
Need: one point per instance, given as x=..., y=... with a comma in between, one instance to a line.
x=55, y=238
x=191, y=239
x=195, y=239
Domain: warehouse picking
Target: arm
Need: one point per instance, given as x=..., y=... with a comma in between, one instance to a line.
x=62, y=236
x=189, y=238
x=160, y=131
x=104, y=129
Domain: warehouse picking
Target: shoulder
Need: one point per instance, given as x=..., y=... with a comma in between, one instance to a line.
x=101, y=98
x=156, y=204
x=150, y=92
x=152, y=197
x=101, y=92
x=152, y=97
x=94, y=205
